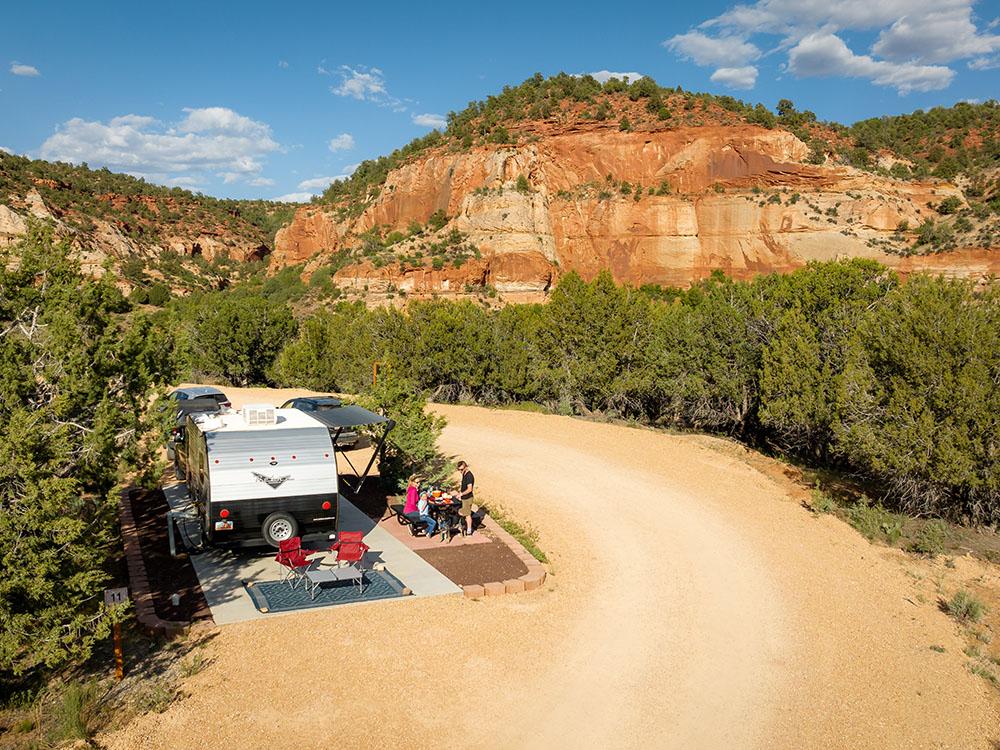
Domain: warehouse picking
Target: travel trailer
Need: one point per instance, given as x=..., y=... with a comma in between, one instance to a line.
x=264, y=475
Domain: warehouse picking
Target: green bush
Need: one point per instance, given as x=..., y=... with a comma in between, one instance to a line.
x=875, y=522
x=411, y=446
x=965, y=607
x=949, y=205
x=75, y=711
x=523, y=186
x=930, y=539
x=822, y=502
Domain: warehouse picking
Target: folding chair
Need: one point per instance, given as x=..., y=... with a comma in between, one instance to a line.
x=351, y=549
x=294, y=559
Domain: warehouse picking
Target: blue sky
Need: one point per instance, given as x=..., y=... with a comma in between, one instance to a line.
x=256, y=100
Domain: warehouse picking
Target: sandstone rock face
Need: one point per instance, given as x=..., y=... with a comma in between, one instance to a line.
x=105, y=244
x=12, y=226
x=740, y=199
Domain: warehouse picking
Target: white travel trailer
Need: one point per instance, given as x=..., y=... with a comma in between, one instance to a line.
x=265, y=474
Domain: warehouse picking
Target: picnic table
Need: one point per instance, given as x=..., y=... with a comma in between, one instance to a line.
x=445, y=509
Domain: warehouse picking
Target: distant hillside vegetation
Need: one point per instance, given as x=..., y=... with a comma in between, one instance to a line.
x=142, y=211
x=942, y=142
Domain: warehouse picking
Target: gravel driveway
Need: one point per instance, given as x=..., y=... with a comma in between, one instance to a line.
x=693, y=604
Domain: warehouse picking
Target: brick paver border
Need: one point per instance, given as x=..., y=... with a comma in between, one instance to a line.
x=139, y=579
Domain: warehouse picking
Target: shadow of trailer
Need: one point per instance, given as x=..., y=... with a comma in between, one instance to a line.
x=242, y=467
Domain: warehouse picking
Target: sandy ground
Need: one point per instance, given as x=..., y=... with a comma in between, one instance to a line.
x=693, y=603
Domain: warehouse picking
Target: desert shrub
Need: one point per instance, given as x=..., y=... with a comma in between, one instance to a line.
x=158, y=295
x=965, y=607
x=949, y=205
x=930, y=539
x=822, y=502
x=75, y=711
x=437, y=220
x=522, y=184
x=874, y=521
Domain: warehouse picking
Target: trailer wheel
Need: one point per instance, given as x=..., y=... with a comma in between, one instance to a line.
x=279, y=527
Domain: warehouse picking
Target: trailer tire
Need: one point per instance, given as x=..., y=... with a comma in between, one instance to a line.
x=279, y=527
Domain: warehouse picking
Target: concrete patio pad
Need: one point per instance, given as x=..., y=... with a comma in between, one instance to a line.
x=222, y=572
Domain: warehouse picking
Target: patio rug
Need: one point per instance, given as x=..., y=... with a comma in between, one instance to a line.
x=278, y=596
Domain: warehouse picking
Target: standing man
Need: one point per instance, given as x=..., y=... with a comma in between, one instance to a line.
x=466, y=494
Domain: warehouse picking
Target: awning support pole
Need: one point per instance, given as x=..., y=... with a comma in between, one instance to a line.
x=375, y=454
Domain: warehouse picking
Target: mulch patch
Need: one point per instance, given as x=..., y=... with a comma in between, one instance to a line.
x=167, y=575
x=476, y=563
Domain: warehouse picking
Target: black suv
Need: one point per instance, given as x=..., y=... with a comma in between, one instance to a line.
x=348, y=438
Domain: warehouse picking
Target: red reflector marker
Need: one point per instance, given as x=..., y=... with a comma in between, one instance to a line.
x=223, y=513
x=216, y=460
x=326, y=455
x=293, y=458
x=326, y=505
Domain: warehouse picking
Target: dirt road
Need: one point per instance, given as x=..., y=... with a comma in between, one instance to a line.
x=692, y=604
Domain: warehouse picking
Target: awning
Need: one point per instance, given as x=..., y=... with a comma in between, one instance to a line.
x=347, y=416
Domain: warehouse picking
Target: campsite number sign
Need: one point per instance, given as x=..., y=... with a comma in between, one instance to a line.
x=114, y=597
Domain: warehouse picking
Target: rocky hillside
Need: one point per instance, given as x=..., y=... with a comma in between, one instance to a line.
x=658, y=185
x=147, y=234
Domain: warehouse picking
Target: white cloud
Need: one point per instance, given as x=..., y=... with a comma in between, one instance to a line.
x=322, y=183
x=213, y=139
x=827, y=54
x=938, y=36
x=295, y=197
x=360, y=84
x=429, y=120
x=603, y=76
x=186, y=182
x=261, y=181
x=6, y=150
x=342, y=142
x=985, y=63
x=283, y=64
x=20, y=69
x=744, y=77
x=364, y=84
x=915, y=39
x=317, y=183
x=724, y=51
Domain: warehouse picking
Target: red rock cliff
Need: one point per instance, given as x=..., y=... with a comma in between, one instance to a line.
x=738, y=198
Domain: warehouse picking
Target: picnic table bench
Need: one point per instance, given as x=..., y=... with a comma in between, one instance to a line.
x=415, y=524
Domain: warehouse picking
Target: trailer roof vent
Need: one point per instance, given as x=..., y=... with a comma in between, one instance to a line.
x=258, y=414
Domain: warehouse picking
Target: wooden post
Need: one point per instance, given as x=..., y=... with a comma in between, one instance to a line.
x=375, y=373
x=119, y=654
x=117, y=598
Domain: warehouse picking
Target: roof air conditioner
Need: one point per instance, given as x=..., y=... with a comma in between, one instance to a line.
x=259, y=414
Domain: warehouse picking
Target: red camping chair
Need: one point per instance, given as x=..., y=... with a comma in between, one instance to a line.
x=294, y=559
x=351, y=549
